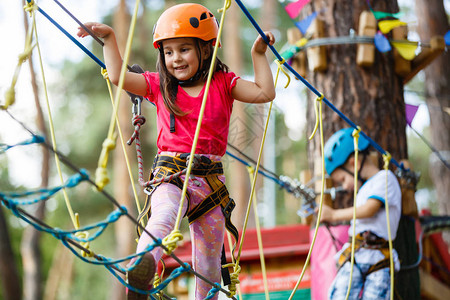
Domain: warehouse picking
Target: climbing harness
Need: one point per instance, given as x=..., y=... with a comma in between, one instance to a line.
x=168, y=169
x=367, y=240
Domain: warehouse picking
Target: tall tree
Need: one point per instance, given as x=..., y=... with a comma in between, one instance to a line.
x=372, y=97
x=238, y=178
x=30, y=245
x=433, y=21
x=9, y=273
x=124, y=228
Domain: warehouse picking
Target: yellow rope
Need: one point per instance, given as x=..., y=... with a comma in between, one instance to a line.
x=101, y=174
x=177, y=237
x=10, y=94
x=83, y=235
x=387, y=159
x=52, y=128
x=355, y=135
x=280, y=68
x=322, y=189
x=233, y=287
x=115, y=104
x=316, y=110
x=237, y=268
x=251, y=173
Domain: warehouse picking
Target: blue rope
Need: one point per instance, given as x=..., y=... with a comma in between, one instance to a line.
x=46, y=193
x=89, y=53
x=309, y=86
x=35, y=139
x=104, y=261
x=63, y=234
x=213, y=291
x=175, y=273
x=276, y=180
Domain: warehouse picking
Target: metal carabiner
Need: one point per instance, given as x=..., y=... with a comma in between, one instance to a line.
x=136, y=108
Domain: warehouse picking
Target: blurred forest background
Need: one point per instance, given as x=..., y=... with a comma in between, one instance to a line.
x=82, y=110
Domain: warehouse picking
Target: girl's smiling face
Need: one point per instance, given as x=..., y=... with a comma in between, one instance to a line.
x=181, y=57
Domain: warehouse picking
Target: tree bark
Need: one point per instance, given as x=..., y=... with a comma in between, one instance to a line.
x=432, y=22
x=9, y=275
x=124, y=229
x=371, y=97
x=30, y=245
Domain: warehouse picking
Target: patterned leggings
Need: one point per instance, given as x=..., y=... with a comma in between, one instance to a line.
x=207, y=232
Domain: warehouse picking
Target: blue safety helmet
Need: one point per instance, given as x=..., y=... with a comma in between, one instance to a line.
x=340, y=146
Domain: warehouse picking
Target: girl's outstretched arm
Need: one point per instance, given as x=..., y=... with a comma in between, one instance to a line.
x=134, y=83
x=262, y=89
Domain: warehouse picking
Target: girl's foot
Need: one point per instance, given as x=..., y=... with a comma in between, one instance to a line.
x=141, y=277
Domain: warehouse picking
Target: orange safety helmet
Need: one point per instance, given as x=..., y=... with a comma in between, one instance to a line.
x=185, y=20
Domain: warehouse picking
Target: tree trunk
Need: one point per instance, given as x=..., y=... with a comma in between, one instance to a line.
x=124, y=229
x=238, y=179
x=433, y=21
x=30, y=248
x=372, y=97
x=9, y=275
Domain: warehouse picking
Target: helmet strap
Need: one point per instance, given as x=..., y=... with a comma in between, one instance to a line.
x=363, y=180
x=199, y=72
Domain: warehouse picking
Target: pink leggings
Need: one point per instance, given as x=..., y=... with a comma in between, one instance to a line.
x=207, y=232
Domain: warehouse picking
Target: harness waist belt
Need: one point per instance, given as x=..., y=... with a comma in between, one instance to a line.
x=368, y=240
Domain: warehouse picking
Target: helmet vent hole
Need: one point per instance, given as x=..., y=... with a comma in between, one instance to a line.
x=194, y=22
x=203, y=16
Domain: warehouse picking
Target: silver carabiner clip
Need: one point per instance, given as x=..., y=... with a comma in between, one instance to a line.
x=136, y=108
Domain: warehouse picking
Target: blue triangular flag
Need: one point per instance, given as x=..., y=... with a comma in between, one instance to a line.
x=306, y=22
x=447, y=38
x=382, y=43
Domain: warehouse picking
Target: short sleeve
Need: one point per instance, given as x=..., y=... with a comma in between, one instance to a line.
x=152, y=80
x=231, y=78
x=379, y=187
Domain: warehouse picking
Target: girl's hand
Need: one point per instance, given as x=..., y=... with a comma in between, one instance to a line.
x=260, y=46
x=100, y=30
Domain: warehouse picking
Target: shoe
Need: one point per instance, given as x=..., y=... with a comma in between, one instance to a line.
x=141, y=277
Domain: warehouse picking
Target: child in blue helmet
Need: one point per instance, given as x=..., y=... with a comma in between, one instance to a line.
x=371, y=274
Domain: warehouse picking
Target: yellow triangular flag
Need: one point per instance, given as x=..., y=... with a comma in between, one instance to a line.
x=387, y=25
x=406, y=50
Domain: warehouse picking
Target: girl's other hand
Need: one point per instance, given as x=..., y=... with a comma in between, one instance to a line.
x=99, y=29
x=260, y=46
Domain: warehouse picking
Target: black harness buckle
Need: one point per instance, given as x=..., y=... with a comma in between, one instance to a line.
x=228, y=208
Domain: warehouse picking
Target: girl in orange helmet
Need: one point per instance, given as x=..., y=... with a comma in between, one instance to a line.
x=184, y=36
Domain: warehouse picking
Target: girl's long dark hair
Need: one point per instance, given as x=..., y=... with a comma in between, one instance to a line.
x=168, y=84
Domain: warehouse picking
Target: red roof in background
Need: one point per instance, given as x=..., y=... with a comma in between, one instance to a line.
x=280, y=241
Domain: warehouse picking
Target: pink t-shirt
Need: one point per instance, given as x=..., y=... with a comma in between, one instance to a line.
x=216, y=118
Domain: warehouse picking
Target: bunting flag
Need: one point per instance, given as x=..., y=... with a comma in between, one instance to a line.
x=406, y=50
x=381, y=14
x=304, y=24
x=447, y=38
x=387, y=25
x=410, y=112
x=293, y=9
x=381, y=42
